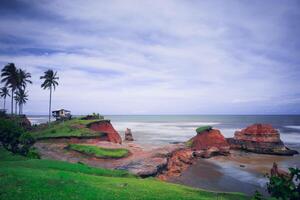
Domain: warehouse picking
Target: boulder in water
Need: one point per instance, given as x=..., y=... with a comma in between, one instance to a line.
x=128, y=135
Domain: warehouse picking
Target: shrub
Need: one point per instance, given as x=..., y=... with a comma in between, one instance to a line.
x=203, y=128
x=285, y=188
x=14, y=138
x=33, y=153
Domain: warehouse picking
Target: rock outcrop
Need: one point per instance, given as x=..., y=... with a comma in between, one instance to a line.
x=209, y=143
x=104, y=126
x=154, y=162
x=146, y=167
x=275, y=171
x=178, y=162
x=260, y=138
x=128, y=135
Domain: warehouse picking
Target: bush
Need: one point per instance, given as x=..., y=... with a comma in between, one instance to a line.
x=33, y=153
x=285, y=188
x=203, y=128
x=14, y=138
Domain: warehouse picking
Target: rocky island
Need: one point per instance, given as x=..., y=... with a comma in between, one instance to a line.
x=260, y=138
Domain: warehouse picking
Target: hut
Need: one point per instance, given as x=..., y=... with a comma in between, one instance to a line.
x=62, y=114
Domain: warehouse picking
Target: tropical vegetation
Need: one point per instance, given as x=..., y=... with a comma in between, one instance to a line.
x=71, y=128
x=14, y=138
x=50, y=82
x=4, y=92
x=16, y=81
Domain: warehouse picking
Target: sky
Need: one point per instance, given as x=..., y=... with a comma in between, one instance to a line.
x=157, y=57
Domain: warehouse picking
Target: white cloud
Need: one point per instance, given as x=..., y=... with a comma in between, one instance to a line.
x=131, y=57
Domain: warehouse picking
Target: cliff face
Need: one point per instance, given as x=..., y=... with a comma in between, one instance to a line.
x=209, y=143
x=260, y=138
x=106, y=127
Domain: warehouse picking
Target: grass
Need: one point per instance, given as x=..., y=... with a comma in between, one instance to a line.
x=99, y=151
x=27, y=179
x=203, y=128
x=70, y=128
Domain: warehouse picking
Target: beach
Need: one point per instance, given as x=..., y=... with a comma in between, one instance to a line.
x=238, y=172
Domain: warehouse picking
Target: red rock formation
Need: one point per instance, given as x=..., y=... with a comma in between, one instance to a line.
x=258, y=133
x=260, y=138
x=210, y=143
x=104, y=126
x=178, y=162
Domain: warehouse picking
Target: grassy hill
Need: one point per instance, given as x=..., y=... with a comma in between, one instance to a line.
x=70, y=128
x=26, y=179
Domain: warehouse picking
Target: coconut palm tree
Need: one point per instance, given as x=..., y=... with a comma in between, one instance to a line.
x=21, y=99
x=10, y=77
x=4, y=92
x=50, y=81
x=23, y=79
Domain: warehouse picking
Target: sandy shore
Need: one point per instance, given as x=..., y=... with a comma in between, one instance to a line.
x=238, y=172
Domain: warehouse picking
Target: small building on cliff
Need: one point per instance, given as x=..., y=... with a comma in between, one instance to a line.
x=62, y=114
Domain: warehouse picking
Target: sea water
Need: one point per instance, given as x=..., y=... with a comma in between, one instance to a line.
x=165, y=129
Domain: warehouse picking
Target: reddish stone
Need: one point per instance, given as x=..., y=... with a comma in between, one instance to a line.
x=275, y=171
x=104, y=126
x=260, y=138
x=178, y=162
x=212, y=141
x=258, y=133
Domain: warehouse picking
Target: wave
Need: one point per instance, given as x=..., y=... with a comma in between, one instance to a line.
x=293, y=127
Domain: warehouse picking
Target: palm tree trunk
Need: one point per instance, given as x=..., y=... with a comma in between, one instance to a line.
x=4, y=103
x=20, y=109
x=12, y=102
x=50, y=104
x=16, y=107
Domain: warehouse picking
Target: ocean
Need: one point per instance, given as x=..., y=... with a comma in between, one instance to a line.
x=164, y=129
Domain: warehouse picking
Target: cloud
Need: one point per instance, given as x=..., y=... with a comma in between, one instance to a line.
x=158, y=57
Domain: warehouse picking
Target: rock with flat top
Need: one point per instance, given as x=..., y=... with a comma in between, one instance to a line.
x=260, y=138
x=210, y=142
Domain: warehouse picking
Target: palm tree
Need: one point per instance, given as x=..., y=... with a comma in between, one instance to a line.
x=23, y=79
x=49, y=83
x=10, y=78
x=4, y=92
x=21, y=99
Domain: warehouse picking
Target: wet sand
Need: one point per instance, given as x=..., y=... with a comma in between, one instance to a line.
x=239, y=172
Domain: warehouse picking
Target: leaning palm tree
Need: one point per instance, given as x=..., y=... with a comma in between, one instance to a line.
x=49, y=83
x=21, y=99
x=4, y=92
x=10, y=78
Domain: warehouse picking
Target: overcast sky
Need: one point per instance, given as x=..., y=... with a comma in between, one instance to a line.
x=157, y=57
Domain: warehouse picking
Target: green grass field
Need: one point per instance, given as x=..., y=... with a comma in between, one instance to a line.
x=99, y=152
x=25, y=179
x=70, y=128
